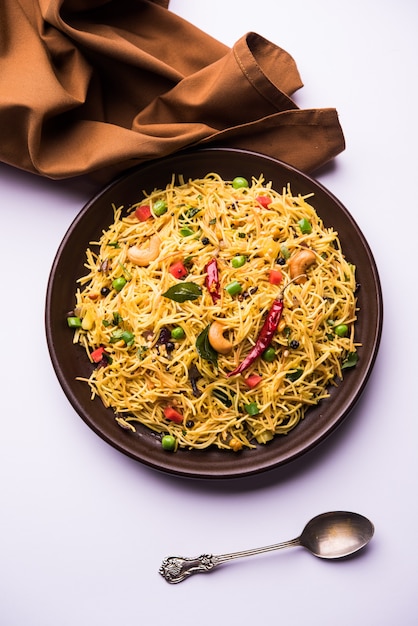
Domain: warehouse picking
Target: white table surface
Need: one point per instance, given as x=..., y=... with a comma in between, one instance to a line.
x=84, y=528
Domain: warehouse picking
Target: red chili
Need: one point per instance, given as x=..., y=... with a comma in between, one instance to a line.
x=212, y=280
x=264, y=338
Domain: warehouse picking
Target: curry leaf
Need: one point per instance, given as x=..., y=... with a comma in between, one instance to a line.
x=189, y=213
x=294, y=375
x=350, y=361
x=204, y=349
x=183, y=291
x=194, y=376
x=223, y=396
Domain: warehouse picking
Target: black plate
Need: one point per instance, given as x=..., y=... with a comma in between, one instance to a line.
x=69, y=361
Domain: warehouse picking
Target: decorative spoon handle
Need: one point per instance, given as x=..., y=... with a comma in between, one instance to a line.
x=176, y=568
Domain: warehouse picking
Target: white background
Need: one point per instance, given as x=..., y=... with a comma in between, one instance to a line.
x=84, y=529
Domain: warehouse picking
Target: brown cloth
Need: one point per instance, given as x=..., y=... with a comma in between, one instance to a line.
x=97, y=86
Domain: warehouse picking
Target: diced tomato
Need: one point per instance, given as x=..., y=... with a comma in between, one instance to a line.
x=178, y=270
x=275, y=277
x=143, y=212
x=264, y=201
x=173, y=415
x=253, y=380
x=97, y=354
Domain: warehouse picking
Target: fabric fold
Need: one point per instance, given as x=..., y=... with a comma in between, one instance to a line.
x=95, y=87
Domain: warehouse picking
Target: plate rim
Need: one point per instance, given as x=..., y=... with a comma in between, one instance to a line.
x=170, y=467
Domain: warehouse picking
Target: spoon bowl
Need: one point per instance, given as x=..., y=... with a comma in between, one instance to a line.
x=336, y=535
x=333, y=535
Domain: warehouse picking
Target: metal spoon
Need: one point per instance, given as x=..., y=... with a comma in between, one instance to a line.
x=329, y=536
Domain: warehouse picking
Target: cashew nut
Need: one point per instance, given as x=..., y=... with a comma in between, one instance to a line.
x=235, y=445
x=299, y=263
x=217, y=339
x=144, y=255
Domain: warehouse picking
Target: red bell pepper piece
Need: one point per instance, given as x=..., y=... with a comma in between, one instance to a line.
x=178, y=269
x=253, y=380
x=264, y=201
x=212, y=280
x=264, y=338
x=97, y=354
x=143, y=212
x=173, y=415
x=275, y=277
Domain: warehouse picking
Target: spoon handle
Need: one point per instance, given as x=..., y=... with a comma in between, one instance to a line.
x=176, y=568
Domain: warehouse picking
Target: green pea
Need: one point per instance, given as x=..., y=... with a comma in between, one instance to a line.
x=341, y=330
x=269, y=354
x=119, y=283
x=159, y=207
x=305, y=226
x=238, y=261
x=233, y=288
x=169, y=443
x=239, y=182
x=178, y=333
x=74, y=322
